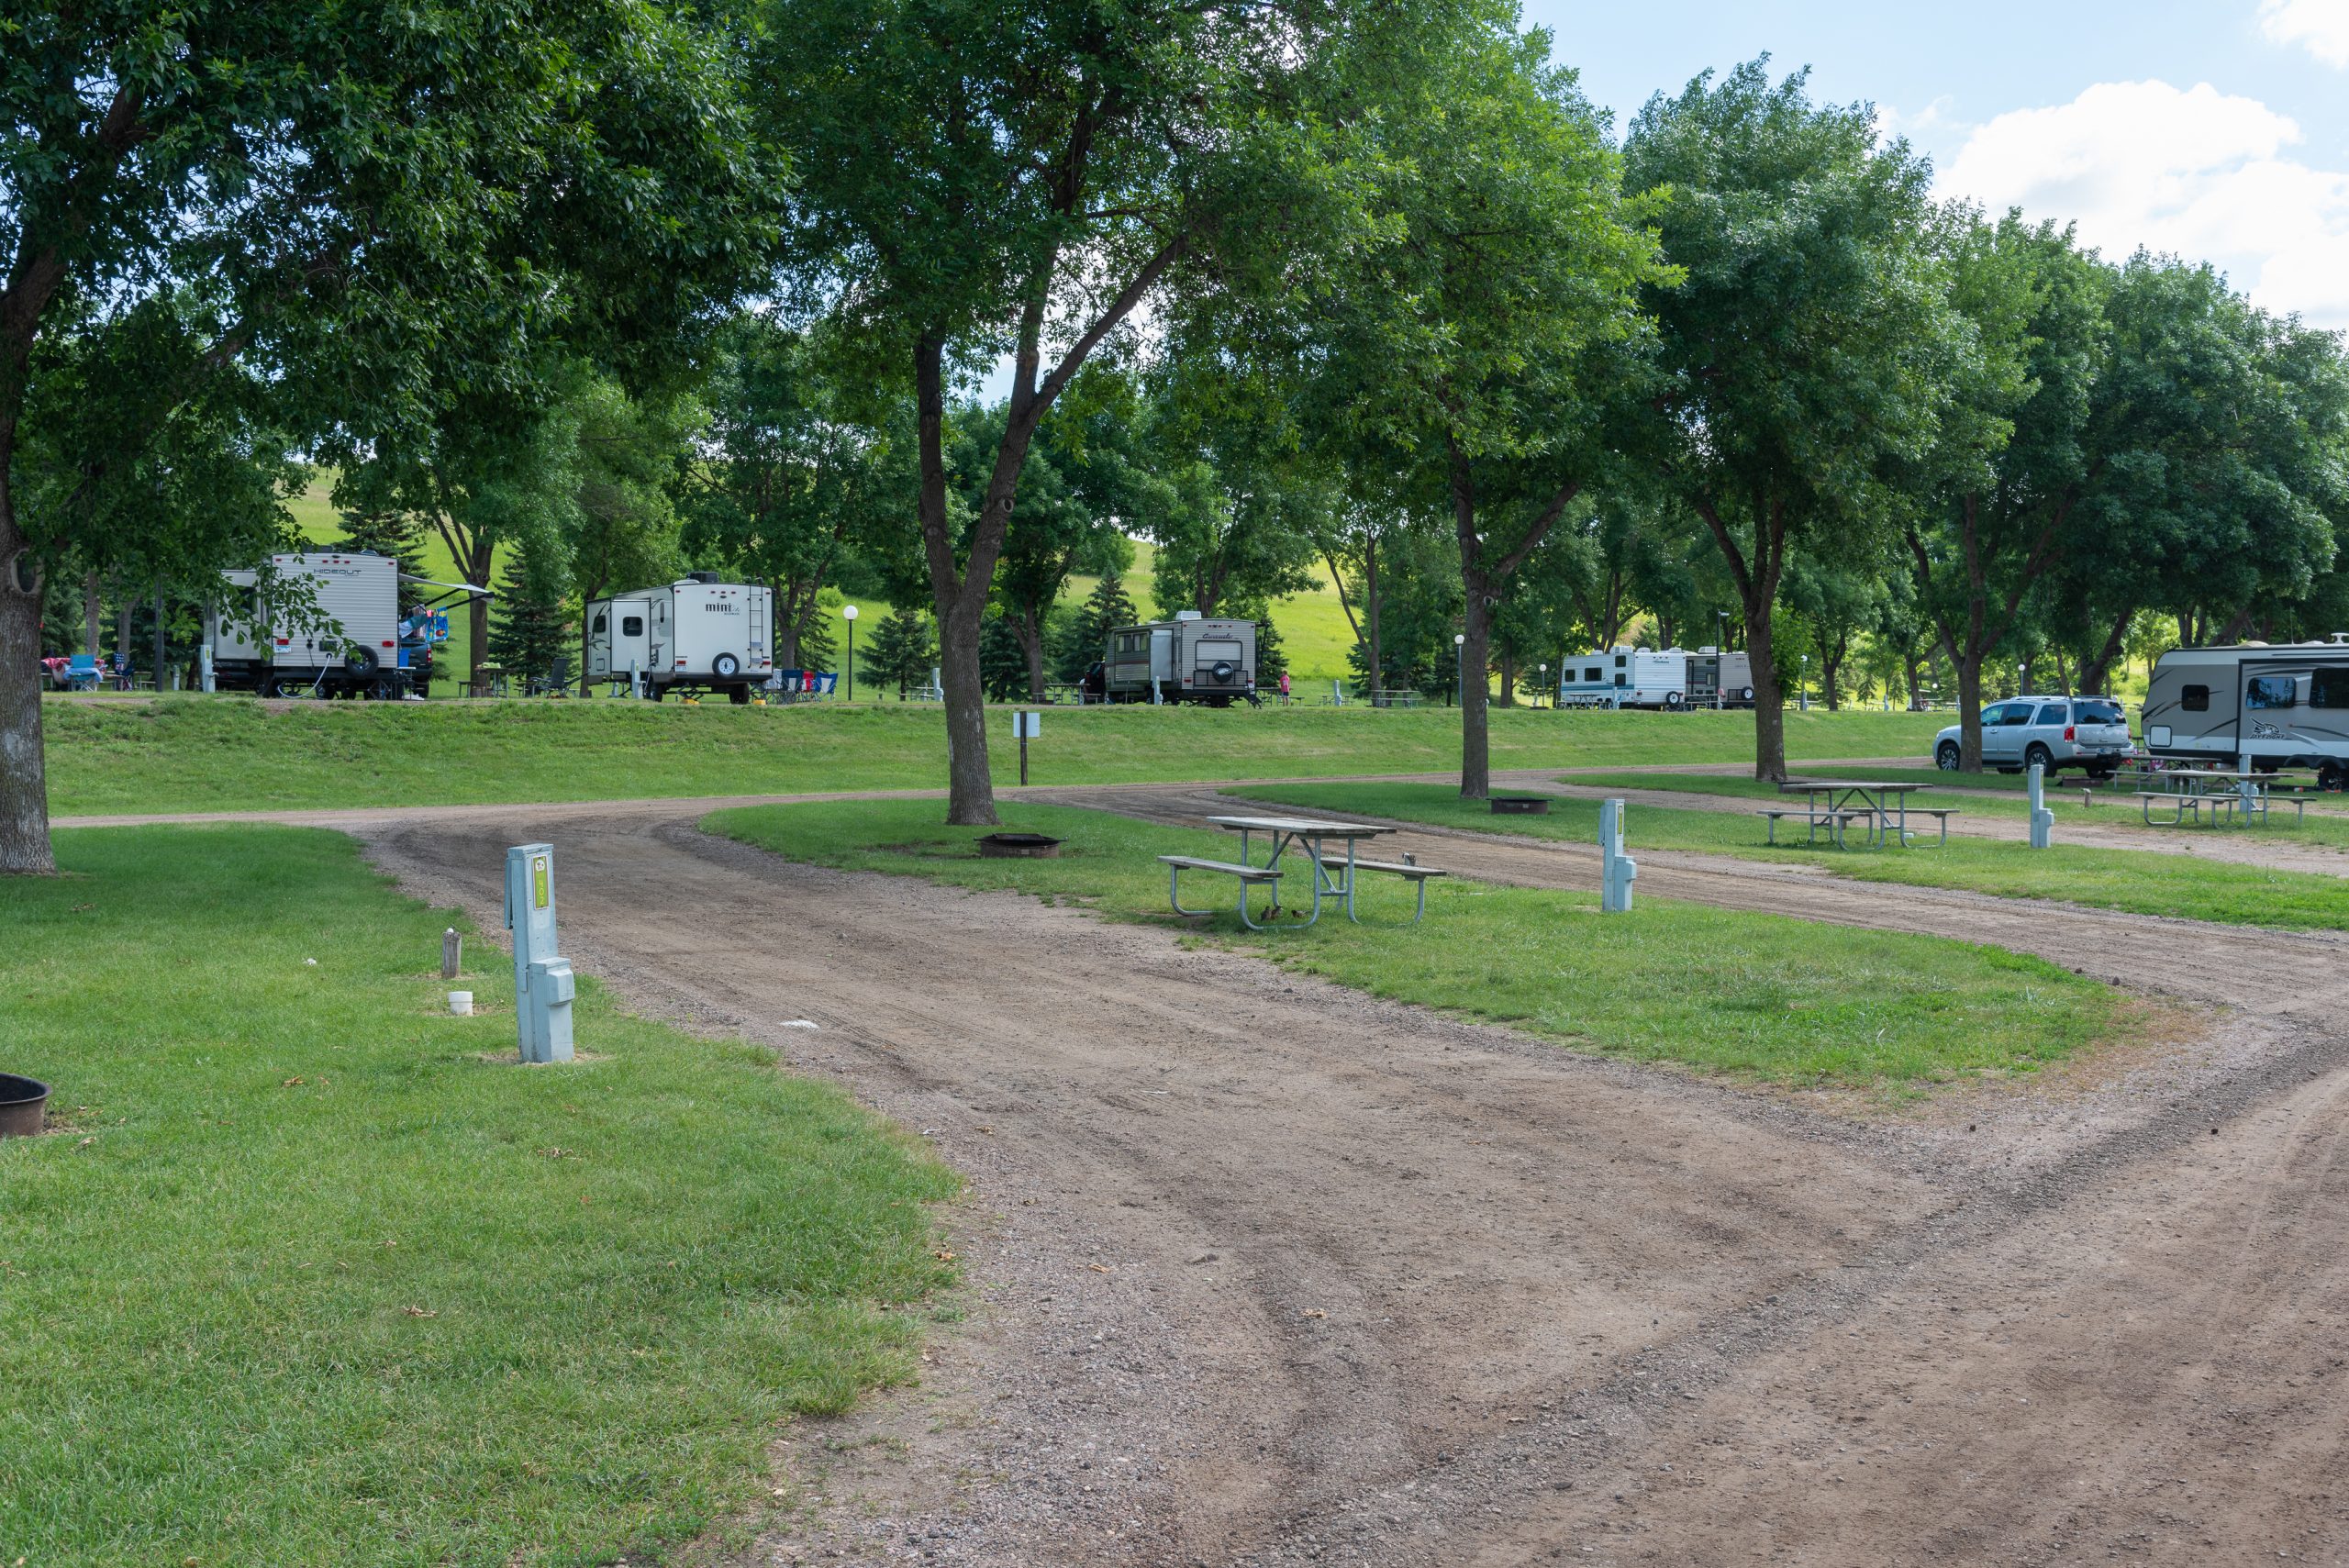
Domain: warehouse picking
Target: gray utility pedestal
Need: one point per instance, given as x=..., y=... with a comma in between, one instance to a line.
x=542, y=983
x=1616, y=870
x=2043, y=821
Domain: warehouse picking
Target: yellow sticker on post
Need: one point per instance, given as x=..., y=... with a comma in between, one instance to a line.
x=538, y=881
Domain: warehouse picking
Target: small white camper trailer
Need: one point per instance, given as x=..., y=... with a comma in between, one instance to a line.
x=1624, y=677
x=696, y=633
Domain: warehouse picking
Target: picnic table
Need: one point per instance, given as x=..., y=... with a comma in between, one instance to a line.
x=2208, y=795
x=1833, y=804
x=1332, y=871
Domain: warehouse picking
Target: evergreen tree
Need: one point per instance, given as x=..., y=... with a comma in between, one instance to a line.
x=1270, y=657
x=1003, y=663
x=903, y=649
x=530, y=625
x=819, y=639
x=1104, y=610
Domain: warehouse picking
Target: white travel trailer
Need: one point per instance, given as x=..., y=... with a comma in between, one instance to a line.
x=366, y=643
x=1625, y=677
x=1189, y=659
x=2256, y=706
x=695, y=633
x=1719, y=679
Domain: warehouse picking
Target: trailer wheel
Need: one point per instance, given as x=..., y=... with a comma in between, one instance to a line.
x=2332, y=777
x=739, y=695
x=654, y=689
x=726, y=667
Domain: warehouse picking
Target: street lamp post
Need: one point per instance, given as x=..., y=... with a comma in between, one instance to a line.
x=1802, y=684
x=1545, y=684
x=1460, y=667
x=848, y=613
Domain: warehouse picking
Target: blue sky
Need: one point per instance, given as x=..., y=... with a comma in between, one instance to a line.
x=2216, y=129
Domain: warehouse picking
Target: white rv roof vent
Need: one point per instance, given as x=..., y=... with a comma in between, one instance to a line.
x=2254, y=645
x=2340, y=638
x=1189, y=614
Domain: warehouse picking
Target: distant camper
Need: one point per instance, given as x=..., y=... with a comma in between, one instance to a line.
x=2257, y=705
x=1189, y=659
x=377, y=640
x=696, y=633
x=1625, y=677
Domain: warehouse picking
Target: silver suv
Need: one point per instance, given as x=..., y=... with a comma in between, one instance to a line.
x=2054, y=732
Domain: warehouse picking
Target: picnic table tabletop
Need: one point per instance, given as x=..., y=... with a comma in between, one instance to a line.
x=1302, y=827
x=1816, y=786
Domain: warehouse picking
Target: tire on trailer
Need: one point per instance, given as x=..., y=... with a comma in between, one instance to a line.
x=726, y=667
x=739, y=695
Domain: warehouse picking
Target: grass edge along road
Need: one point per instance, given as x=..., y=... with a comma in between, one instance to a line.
x=2137, y=881
x=196, y=753
x=307, y=1273
x=1773, y=999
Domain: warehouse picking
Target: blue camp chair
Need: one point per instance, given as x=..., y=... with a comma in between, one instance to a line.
x=81, y=673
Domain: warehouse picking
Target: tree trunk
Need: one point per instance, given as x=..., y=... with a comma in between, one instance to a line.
x=970, y=787
x=2095, y=671
x=24, y=781
x=1828, y=666
x=1769, y=698
x=1914, y=669
x=1969, y=713
x=93, y=612
x=1026, y=627
x=477, y=618
x=1509, y=680
x=1370, y=600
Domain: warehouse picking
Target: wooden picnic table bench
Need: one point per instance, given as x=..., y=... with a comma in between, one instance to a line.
x=1419, y=875
x=1833, y=821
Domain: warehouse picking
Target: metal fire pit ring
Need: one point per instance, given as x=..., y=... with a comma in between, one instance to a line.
x=1019, y=846
x=1521, y=806
x=22, y=1100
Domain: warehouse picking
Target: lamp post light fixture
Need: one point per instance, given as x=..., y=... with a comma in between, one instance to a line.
x=848, y=614
x=1802, y=684
x=1544, y=687
x=1460, y=667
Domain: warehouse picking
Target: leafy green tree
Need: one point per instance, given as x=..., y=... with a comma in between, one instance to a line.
x=1003, y=661
x=622, y=524
x=302, y=219
x=808, y=463
x=984, y=178
x=2001, y=491
x=1803, y=345
x=903, y=649
x=1466, y=360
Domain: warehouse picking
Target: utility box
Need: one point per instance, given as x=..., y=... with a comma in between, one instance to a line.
x=543, y=988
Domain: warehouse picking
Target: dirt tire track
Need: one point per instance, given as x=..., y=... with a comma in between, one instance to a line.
x=1541, y=1276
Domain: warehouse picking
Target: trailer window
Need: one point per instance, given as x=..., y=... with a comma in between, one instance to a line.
x=601, y=622
x=631, y=626
x=2195, y=699
x=1222, y=648
x=1593, y=675
x=2271, y=691
x=2329, y=688
x=1623, y=680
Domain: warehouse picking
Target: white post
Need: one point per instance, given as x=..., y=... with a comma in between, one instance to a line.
x=2043, y=821
x=1616, y=870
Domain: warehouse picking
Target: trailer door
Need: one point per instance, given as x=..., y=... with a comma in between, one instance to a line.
x=660, y=637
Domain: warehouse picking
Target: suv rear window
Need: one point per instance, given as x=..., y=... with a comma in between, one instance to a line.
x=2098, y=713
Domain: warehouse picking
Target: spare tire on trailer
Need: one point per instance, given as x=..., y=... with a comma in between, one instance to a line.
x=359, y=662
x=726, y=667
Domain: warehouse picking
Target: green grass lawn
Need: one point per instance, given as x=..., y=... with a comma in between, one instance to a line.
x=194, y=753
x=2141, y=881
x=309, y=1272
x=1773, y=999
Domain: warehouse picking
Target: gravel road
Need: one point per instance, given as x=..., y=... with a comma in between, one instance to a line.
x=1263, y=1270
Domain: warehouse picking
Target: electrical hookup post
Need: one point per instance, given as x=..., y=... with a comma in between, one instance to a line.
x=1617, y=871
x=2043, y=821
x=542, y=983
x=1027, y=726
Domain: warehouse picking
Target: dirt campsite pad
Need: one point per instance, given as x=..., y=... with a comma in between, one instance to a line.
x=1266, y=1271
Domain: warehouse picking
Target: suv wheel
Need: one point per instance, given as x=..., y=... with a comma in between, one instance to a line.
x=2040, y=757
x=1945, y=756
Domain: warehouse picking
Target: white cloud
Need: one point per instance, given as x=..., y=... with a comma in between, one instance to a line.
x=2198, y=173
x=2320, y=26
